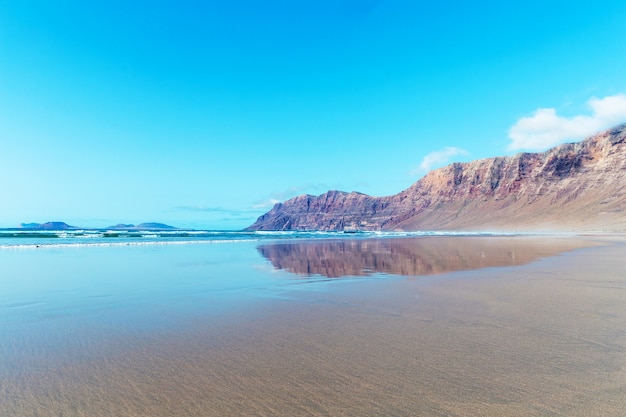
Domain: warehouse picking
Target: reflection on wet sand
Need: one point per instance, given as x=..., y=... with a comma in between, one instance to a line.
x=543, y=339
x=410, y=256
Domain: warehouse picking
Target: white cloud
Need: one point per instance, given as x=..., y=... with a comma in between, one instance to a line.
x=545, y=128
x=280, y=196
x=439, y=158
x=211, y=210
x=269, y=203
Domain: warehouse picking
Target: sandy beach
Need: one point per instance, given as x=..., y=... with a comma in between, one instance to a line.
x=542, y=339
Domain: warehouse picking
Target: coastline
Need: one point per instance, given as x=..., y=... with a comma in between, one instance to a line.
x=541, y=339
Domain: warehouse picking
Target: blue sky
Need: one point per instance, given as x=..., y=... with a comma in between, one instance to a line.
x=202, y=114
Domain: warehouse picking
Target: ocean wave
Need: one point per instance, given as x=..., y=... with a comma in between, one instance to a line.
x=103, y=238
x=120, y=244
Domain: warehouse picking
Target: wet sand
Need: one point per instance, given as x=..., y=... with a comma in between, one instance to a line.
x=543, y=339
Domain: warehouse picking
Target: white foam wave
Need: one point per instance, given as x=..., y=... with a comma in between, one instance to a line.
x=99, y=238
x=120, y=244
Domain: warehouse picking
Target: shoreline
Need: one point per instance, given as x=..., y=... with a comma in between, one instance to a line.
x=304, y=237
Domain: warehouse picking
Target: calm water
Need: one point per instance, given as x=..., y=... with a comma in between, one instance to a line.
x=69, y=300
x=46, y=279
x=55, y=295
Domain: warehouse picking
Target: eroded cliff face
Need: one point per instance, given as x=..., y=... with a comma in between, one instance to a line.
x=579, y=186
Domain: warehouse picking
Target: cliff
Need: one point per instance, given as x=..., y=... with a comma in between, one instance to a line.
x=577, y=186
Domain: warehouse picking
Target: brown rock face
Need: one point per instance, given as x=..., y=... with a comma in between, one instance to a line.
x=577, y=186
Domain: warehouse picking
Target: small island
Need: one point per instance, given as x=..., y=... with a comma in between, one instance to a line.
x=60, y=226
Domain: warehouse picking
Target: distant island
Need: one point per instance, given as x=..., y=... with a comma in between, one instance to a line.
x=142, y=226
x=571, y=187
x=64, y=226
x=48, y=226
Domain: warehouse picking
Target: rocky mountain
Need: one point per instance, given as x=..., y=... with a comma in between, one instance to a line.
x=577, y=186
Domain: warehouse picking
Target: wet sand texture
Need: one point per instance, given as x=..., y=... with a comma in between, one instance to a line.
x=544, y=339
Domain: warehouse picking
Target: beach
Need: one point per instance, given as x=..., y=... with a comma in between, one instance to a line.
x=481, y=330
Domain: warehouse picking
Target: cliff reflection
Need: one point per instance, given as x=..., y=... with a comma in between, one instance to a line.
x=410, y=256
